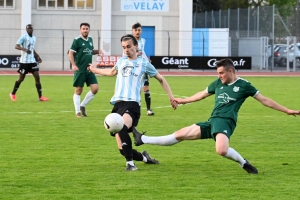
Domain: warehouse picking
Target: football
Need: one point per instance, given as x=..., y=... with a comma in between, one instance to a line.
x=113, y=122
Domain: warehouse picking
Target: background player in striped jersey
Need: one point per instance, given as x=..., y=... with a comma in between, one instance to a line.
x=130, y=71
x=230, y=93
x=28, y=63
x=83, y=47
x=137, y=32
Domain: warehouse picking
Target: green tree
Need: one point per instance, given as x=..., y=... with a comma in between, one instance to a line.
x=234, y=4
x=282, y=2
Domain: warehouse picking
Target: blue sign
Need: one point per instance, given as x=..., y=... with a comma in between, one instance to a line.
x=145, y=5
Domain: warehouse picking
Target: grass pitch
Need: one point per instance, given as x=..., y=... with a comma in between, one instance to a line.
x=48, y=153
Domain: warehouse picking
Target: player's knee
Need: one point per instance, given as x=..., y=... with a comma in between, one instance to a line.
x=146, y=88
x=221, y=151
x=95, y=91
x=147, y=91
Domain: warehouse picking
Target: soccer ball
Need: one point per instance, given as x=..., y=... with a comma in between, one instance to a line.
x=113, y=122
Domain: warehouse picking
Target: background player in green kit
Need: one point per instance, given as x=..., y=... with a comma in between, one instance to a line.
x=231, y=92
x=83, y=48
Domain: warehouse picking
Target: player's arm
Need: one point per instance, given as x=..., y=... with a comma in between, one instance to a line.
x=36, y=55
x=196, y=97
x=105, y=72
x=99, y=52
x=72, y=60
x=274, y=105
x=167, y=88
x=19, y=47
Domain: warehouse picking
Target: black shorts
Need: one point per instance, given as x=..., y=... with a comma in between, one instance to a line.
x=130, y=107
x=146, y=83
x=28, y=67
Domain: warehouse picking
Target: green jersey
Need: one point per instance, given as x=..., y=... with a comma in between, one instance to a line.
x=84, y=52
x=230, y=97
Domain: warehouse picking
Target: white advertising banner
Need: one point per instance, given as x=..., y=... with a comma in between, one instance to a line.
x=145, y=5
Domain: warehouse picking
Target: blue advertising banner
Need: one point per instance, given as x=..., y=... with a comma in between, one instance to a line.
x=142, y=5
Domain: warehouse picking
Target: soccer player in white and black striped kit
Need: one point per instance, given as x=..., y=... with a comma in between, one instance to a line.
x=130, y=71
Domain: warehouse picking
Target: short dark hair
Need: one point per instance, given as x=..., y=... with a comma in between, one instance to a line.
x=84, y=24
x=136, y=25
x=28, y=25
x=226, y=63
x=129, y=37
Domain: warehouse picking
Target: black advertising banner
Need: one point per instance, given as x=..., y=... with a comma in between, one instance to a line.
x=238, y=62
x=197, y=62
x=9, y=61
x=175, y=62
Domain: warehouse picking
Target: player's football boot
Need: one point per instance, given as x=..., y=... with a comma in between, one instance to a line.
x=42, y=98
x=137, y=137
x=150, y=160
x=78, y=115
x=13, y=97
x=150, y=112
x=250, y=168
x=83, y=111
x=130, y=167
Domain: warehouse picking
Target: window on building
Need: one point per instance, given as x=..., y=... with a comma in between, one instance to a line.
x=7, y=4
x=60, y=3
x=51, y=3
x=66, y=4
x=42, y=3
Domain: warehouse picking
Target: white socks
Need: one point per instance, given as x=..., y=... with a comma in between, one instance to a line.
x=76, y=100
x=88, y=97
x=235, y=156
x=160, y=140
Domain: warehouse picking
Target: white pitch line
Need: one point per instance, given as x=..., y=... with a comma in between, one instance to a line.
x=69, y=111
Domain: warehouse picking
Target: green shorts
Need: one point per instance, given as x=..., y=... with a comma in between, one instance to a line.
x=210, y=128
x=84, y=77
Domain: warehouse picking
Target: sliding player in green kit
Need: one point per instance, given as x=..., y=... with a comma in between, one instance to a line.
x=230, y=93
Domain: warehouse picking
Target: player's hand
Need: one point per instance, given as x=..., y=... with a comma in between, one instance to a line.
x=174, y=104
x=100, y=53
x=39, y=60
x=293, y=112
x=74, y=68
x=91, y=68
x=179, y=100
x=28, y=51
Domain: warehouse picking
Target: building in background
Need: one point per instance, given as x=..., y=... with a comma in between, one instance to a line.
x=167, y=25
